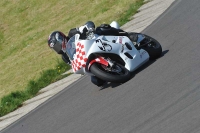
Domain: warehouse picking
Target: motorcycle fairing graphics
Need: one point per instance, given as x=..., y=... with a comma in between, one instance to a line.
x=80, y=58
x=105, y=46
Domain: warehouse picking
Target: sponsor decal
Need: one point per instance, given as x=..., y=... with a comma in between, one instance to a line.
x=120, y=40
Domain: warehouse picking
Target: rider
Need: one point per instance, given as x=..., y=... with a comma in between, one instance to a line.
x=57, y=39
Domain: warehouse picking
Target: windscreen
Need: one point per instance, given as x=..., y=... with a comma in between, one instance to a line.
x=71, y=47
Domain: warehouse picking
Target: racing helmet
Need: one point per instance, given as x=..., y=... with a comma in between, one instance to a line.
x=57, y=41
x=90, y=25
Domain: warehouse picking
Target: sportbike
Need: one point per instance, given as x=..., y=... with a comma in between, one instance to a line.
x=111, y=57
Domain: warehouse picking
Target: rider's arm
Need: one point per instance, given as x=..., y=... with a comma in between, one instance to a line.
x=73, y=31
x=81, y=31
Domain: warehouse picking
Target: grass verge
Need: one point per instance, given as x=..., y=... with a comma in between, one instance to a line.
x=133, y=9
x=15, y=99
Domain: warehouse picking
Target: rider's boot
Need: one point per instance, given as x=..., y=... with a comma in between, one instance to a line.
x=97, y=81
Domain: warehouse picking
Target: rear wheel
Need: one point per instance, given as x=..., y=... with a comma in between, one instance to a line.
x=117, y=73
x=153, y=47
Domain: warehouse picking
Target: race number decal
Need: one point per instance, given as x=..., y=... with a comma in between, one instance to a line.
x=105, y=46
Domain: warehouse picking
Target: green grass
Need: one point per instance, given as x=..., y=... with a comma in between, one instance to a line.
x=15, y=99
x=26, y=62
x=1, y=39
x=133, y=9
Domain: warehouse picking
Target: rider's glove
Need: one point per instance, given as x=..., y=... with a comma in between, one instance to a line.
x=83, y=29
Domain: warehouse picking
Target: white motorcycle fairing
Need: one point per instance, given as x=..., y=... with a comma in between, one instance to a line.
x=81, y=50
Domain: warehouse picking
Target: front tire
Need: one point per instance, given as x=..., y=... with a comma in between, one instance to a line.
x=117, y=76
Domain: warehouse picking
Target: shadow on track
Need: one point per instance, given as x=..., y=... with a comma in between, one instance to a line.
x=113, y=85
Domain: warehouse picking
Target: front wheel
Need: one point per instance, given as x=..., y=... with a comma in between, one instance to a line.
x=117, y=73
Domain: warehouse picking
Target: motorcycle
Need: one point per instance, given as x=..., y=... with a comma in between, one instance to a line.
x=110, y=57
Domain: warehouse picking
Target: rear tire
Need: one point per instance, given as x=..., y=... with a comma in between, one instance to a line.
x=106, y=75
x=154, y=48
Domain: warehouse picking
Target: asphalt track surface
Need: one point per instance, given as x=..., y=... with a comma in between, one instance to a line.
x=162, y=97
